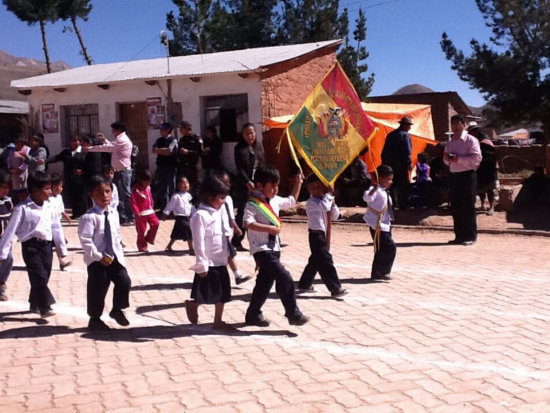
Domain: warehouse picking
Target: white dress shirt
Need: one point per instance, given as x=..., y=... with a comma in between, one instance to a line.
x=114, y=197
x=30, y=220
x=209, y=239
x=379, y=201
x=259, y=240
x=466, y=147
x=229, y=207
x=316, y=210
x=91, y=231
x=59, y=207
x=180, y=205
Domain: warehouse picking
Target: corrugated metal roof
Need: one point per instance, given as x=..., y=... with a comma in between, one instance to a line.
x=247, y=60
x=15, y=107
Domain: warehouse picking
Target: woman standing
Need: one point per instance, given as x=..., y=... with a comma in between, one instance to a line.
x=249, y=155
x=487, y=172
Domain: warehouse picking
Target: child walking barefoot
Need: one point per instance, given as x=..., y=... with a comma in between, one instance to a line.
x=211, y=283
x=141, y=203
x=182, y=208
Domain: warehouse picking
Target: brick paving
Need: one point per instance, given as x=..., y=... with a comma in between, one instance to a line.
x=458, y=329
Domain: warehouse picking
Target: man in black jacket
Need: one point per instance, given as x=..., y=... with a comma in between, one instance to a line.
x=165, y=149
x=189, y=153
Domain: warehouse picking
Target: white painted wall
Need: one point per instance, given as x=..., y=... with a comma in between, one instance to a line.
x=183, y=90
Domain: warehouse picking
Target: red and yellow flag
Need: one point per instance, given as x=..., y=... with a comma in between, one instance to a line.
x=331, y=128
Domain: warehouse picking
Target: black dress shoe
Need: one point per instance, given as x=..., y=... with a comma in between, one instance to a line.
x=260, y=322
x=242, y=279
x=119, y=317
x=455, y=242
x=338, y=293
x=96, y=324
x=298, y=321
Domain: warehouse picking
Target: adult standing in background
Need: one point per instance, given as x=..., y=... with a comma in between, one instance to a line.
x=93, y=162
x=189, y=153
x=249, y=155
x=17, y=168
x=463, y=155
x=121, y=150
x=165, y=149
x=397, y=154
x=73, y=175
x=487, y=171
x=213, y=147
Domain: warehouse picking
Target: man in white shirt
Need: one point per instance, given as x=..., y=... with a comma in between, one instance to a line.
x=463, y=155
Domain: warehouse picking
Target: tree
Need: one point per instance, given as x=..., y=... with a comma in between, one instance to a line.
x=188, y=28
x=32, y=12
x=514, y=79
x=73, y=10
x=352, y=58
x=307, y=21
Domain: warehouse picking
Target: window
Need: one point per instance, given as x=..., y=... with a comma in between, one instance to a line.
x=227, y=113
x=81, y=120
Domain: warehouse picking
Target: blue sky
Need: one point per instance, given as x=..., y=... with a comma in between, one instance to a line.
x=402, y=38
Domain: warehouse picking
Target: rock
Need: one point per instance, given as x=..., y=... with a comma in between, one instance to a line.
x=507, y=195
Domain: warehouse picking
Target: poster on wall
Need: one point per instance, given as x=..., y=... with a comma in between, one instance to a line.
x=50, y=123
x=155, y=112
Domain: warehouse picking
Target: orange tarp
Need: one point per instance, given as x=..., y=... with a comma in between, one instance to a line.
x=385, y=117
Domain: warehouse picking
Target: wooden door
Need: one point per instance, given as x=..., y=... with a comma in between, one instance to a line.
x=134, y=116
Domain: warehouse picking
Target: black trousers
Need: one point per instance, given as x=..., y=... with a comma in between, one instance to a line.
x=77, y=198
x=38, y=259
x=320, y=261
x=99, y=278
x=463, y=189
x=165, y=178
x=271, y=270
x=384, y=255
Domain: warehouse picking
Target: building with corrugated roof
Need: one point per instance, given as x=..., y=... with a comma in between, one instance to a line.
x=12, y=115
x=224, y=90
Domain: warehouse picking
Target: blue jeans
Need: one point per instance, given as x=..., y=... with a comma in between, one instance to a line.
x=123, y=182
x=165, y=185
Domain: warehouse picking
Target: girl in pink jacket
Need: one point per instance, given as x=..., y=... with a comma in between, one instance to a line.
x=141, y=203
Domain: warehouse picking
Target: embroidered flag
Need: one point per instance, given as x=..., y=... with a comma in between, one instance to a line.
x=265, y=209
x=331, y=128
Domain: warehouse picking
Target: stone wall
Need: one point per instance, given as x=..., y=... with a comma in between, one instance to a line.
x=516, y=158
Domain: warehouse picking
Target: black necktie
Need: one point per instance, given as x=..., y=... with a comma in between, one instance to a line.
x=108, y=237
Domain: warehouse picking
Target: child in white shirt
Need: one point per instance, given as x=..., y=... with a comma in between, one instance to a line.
x=378, y=217
x=58, y=205
x=209, y=225
x=181, y=206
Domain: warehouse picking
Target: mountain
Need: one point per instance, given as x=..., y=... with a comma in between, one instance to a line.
x=13, y=67
x=412, y=89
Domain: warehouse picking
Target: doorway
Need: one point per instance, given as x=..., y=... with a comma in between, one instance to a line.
x=134, y=116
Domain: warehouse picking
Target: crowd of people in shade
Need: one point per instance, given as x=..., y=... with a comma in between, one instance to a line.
x=190, y=185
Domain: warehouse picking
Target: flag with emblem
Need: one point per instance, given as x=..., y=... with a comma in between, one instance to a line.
x=331, y=128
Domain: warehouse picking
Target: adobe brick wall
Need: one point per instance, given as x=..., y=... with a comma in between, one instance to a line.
x=285, y=86
x=513, y=158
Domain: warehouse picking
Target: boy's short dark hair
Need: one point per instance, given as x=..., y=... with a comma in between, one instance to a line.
x=5, y=177
x=384, y=170
x=95, y=181
x=38, y=180
x=422, y=157
x=212, y=186
x=86, y=140
x=312, y=178
x=458, y=117
x=56, y=179
x=119, y=126
x=266, y=174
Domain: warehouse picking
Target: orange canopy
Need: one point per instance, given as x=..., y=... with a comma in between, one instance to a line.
x=385, y=117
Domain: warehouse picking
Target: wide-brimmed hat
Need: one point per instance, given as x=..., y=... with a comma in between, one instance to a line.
x=405, y=120
x=472, y=125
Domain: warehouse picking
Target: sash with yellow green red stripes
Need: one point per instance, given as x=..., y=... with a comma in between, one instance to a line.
x=265, y=209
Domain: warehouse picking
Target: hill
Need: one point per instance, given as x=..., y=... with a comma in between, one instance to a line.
x=412, y=89
x=13, y=67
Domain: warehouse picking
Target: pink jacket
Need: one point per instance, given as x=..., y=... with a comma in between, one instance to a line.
x=141, y=201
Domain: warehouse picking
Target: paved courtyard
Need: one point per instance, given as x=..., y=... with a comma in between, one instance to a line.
x=458, y=329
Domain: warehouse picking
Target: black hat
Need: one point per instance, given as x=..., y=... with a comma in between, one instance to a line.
x=166, y=126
